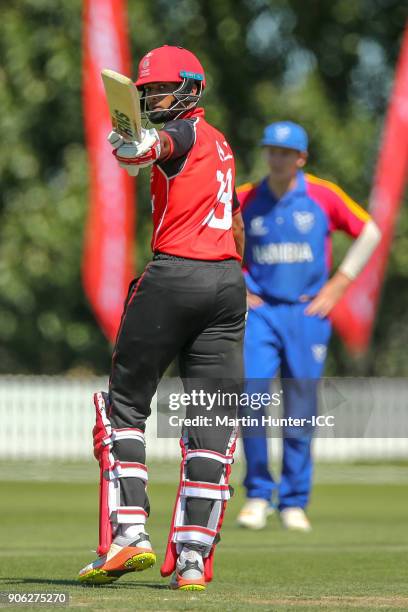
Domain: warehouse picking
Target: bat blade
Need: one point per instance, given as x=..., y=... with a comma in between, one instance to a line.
x=124, y=105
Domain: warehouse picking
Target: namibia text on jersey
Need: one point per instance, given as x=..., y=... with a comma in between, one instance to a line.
x=283, y=252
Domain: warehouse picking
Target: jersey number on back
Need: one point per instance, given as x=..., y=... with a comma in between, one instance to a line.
x=224, y=197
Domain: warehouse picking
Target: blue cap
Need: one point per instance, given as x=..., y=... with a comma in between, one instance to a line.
x=285, y=134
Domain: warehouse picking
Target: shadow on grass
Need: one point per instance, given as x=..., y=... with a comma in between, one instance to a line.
x=75, y=583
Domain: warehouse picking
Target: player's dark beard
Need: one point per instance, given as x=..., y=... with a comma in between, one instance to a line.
x=163, y=116
x=184, y=100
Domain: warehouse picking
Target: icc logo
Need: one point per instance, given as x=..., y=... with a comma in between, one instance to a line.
x=257, y=227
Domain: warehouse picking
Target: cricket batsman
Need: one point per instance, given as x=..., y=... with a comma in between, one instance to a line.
x=289, y=217
x=189, y=304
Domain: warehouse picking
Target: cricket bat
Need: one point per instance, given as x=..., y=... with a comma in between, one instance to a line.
x=124, y=105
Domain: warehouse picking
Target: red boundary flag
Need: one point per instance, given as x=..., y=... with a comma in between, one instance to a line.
x=107, y=264
x=354, y=316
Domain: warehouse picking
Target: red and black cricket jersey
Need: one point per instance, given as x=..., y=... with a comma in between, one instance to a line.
x=193, y=192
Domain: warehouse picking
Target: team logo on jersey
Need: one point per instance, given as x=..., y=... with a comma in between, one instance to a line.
x=304, y=221
x=257, y=227
x=319, y=352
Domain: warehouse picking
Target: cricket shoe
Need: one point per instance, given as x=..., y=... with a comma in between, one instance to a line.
x=295, y=519
x=121, y=558
x=255, y=513
x=189, y=573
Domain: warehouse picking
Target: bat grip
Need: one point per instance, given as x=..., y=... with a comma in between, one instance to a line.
x=133, y=171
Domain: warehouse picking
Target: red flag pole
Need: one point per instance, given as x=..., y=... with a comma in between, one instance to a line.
x=353, y=317
x=107, y=265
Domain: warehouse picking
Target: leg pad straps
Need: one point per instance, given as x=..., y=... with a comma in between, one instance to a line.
x=220, y=492
x=111, y=513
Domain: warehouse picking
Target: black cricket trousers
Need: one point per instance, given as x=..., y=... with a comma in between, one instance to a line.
x=194, y=311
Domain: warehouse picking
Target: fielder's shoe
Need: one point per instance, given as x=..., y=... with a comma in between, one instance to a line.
x=189, y=574
x=254, y=513
x=295, y=519
x=121, y=558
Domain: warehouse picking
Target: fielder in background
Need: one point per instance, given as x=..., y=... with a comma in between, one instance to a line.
x=289, y=217
x=188, y=304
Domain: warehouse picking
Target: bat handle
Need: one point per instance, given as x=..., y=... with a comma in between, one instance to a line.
x=133, y=171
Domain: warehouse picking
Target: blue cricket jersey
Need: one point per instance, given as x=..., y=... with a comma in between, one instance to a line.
x=288, y=240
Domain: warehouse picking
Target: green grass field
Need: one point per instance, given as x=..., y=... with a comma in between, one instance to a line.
x=354, y=559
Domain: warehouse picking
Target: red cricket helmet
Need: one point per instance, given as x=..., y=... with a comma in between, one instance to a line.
x=169, y=64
